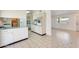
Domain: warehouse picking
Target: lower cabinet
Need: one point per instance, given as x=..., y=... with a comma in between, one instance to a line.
x=12, y=35
x=38, y=29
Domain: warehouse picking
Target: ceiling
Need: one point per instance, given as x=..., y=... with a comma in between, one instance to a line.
x=58, y=12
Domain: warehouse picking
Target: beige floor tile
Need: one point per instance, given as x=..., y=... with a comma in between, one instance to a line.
x=59, y=39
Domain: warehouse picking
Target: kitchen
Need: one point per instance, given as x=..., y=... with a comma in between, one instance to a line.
x=12, y=29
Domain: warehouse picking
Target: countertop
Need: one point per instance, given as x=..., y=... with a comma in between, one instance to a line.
x=10, y=28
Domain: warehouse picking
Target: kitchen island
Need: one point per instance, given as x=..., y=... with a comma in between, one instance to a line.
x=12, y=35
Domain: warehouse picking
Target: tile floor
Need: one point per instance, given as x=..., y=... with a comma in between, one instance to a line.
x=59, y=39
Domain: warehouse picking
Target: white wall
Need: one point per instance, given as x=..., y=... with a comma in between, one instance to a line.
x=0, y=12
x=77, y=21
x=58, y=12
x=13, y=13
x=48, y=23
x=69, y=26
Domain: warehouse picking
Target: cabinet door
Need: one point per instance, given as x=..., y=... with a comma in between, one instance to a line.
x=20, y=33
x=6, y=37
x=38, y=29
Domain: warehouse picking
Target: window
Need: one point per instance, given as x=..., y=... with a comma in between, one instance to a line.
x=62, y=19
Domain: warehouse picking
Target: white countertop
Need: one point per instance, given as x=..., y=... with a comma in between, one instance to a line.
x=11, y=28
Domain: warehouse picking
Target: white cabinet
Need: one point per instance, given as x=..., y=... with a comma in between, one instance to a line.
x=8, y=36
x=20, y=33
x=39, y=22
x=37, y=29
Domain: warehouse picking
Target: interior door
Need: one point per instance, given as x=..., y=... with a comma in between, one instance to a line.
x=77, y=23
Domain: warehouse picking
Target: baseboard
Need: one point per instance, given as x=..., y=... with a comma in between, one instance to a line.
x=39, y=34
x=13, y=43
x=63, y=29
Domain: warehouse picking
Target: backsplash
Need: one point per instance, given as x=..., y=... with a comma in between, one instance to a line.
x=9, y=22
x=1, y=23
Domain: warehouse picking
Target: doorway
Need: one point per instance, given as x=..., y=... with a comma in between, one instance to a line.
x=29, y=19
